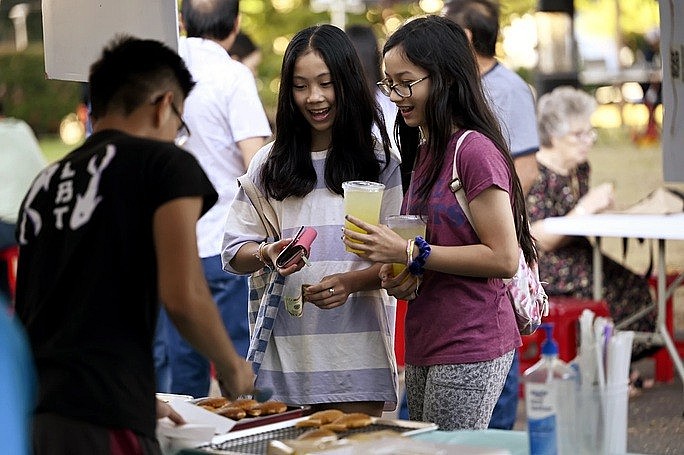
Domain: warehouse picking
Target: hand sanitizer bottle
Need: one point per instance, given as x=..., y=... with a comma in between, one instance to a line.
x=550, y=387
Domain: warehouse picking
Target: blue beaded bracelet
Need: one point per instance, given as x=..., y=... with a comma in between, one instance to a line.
x=416, y=266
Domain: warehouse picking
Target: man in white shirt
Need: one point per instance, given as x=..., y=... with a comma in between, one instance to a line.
x=228, y=125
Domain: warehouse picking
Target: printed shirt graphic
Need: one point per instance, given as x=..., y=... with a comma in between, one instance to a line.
x=87, y=276
x=83, y=204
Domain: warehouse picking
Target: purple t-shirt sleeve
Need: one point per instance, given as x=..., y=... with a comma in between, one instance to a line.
x=480, y=165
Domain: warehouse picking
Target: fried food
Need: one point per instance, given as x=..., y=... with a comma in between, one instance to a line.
x=354, y=420
x=327, y=416
x=213, y=402
x=272, y=407
x=241, y=408
x=308, y=423
x=336, y=427
x=232, y=412
x=251, y=407
x=335, y=420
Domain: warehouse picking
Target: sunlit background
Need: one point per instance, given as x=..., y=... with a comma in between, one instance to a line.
x=607, y=45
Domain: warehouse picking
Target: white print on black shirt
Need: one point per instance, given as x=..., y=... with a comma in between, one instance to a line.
x=42, y=182
x=85, y=203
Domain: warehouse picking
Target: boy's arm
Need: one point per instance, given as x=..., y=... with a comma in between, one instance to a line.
x=184, y=292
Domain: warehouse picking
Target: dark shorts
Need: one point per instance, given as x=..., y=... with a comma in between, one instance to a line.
x=57, y=435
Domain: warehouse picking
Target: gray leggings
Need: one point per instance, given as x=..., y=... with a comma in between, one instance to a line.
x=456, y=397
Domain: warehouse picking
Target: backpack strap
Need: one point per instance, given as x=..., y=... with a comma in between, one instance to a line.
x=456, y=186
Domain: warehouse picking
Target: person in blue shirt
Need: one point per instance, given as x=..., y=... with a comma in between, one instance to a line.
x=17, y=385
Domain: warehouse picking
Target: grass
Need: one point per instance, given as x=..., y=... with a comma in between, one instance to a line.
x=54, y=149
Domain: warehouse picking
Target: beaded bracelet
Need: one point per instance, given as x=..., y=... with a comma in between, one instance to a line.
x=416, y=266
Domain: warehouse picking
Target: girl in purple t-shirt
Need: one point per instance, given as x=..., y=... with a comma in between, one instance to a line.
x=460, y=328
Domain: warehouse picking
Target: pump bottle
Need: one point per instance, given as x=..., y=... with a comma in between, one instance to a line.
x=550, y=391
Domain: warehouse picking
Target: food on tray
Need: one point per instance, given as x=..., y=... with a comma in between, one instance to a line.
x=327, y=416
x=335, y=420
x=336, y=427
x=354, y=420
x=251, y=407
x=308, y=423
x=272, y=407
x=232, y=412
x=241, y=408
x=212, y=402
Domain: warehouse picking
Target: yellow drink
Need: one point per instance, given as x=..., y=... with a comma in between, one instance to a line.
x=408, y=227
x=362, y=200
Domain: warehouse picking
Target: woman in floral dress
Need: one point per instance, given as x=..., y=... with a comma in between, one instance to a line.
x=562, y=189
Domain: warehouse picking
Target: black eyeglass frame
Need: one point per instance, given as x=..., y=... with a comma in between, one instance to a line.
x=183, y=131
x=387, y=89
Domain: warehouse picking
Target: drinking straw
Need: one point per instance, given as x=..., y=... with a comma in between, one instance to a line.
x=587, y=342
x=619, y=355
x=599, y=331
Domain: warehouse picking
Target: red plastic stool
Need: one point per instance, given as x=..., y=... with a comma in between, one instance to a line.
x=10, y=256
x=664, y=368
x=564, y=313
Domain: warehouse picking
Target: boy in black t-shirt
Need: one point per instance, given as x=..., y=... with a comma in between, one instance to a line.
x=106, y=234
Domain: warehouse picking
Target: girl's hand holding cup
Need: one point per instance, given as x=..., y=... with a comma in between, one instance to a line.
x=379, y=244
x=403, y=286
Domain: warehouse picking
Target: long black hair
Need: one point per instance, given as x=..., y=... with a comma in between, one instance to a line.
x=289, y=171
x=455, y=99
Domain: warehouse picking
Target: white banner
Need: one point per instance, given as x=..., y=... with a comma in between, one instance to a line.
x=76, y=31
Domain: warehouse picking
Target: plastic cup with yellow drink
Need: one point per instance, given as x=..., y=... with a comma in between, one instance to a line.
x=363, y=200
x=408, y=227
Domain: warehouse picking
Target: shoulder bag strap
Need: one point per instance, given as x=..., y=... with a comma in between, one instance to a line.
x=265, y=210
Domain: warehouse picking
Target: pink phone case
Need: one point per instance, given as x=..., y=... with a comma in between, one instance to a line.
x=298, y=248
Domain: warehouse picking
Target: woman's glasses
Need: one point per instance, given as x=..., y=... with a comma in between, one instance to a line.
x=584, y=136
x=403, y=89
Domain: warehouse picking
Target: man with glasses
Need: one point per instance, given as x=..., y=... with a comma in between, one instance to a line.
x=513, y=104
x=106, y=234
x=228, y=126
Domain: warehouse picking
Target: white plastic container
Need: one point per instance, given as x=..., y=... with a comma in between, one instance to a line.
x=550, y=400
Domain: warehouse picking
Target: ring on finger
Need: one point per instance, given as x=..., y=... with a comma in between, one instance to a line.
x=331, y=291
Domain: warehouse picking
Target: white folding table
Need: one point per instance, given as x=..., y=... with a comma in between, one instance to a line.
x=659, y=227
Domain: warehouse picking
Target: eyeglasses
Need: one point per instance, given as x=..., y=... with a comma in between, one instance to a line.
x=403, y=89
x=183, y=132
x=586, y=136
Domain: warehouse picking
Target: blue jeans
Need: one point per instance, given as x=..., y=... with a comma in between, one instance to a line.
x=503, y=416
x=7, y=238
x=181, y=369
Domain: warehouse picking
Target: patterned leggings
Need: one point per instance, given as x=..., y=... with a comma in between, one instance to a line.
x=459, y=396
